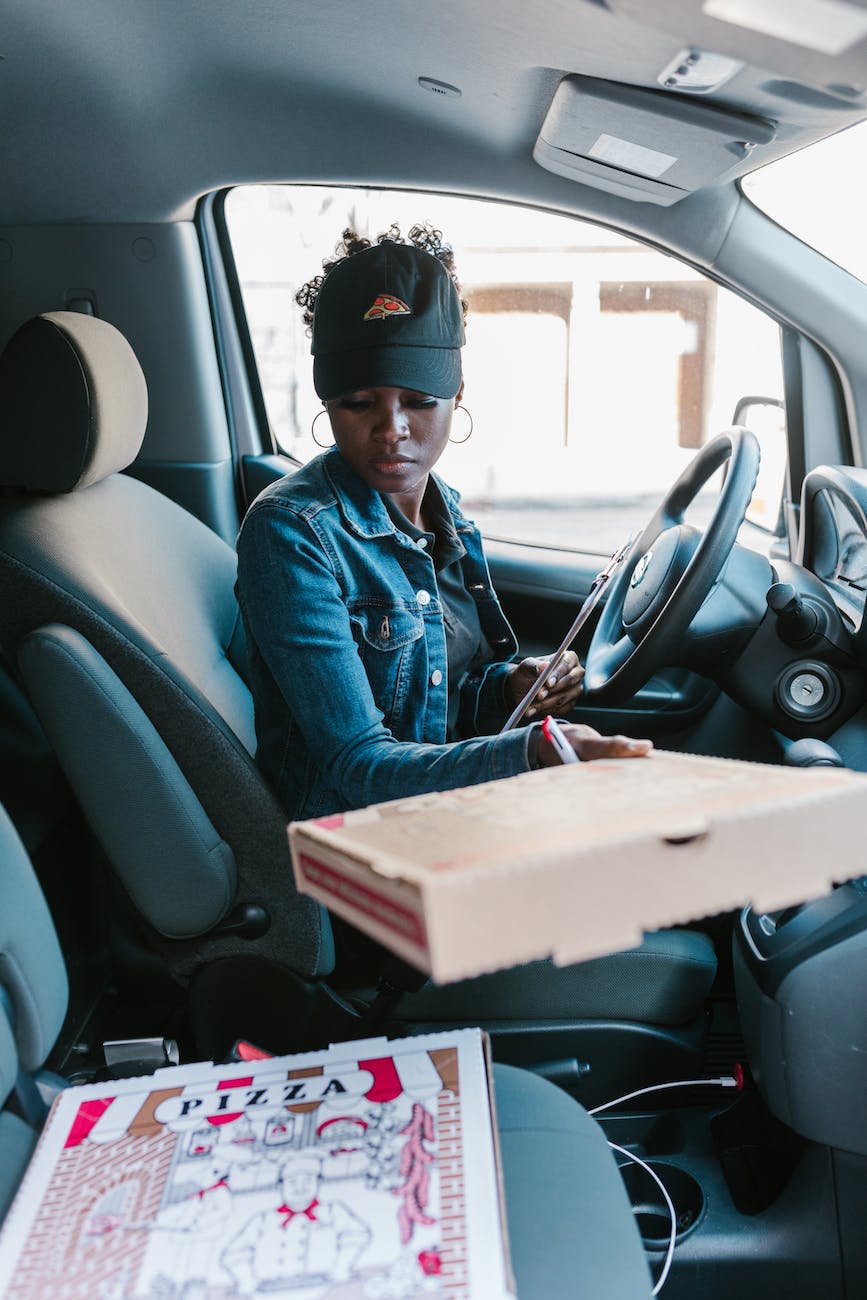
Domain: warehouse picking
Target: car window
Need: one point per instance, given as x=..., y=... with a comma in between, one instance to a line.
x=818, y=194
x=595, y=366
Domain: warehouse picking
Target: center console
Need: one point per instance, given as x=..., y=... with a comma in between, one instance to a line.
x=802, y=995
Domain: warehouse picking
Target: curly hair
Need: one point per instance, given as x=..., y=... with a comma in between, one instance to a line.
x=424, y=236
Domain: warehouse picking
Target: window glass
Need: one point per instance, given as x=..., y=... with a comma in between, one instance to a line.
x=595, y=367
x=818, y=194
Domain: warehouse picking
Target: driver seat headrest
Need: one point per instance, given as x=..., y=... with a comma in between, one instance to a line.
x=73, y=403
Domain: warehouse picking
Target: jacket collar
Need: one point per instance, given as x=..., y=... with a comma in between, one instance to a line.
x=363, y=508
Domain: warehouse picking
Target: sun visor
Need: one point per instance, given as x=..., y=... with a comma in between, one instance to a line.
x=643, y=144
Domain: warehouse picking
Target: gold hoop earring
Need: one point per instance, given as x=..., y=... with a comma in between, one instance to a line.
x=323, y=445
x=469, y=433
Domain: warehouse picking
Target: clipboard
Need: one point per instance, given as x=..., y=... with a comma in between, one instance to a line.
x=600, y=582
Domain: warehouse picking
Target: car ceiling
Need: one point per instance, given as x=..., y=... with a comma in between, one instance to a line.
x=114, y=111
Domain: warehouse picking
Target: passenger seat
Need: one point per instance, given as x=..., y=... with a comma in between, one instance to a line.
x=570, y=1223
x=33, y=1002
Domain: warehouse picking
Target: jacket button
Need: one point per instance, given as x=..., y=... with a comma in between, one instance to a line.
x=423, y=597
x=436, y=677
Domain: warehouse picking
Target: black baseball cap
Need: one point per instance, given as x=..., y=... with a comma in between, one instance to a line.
x=388, y=316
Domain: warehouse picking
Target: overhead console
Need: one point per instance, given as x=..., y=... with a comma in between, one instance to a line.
x=813, y=43
x=643, y=144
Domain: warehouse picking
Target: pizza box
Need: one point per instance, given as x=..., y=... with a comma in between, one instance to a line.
x=573, y=862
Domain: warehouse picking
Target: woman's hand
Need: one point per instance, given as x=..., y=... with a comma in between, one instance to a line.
x=589, y=744
x=557, y=696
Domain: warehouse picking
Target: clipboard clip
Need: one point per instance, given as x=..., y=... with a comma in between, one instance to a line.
x=605, y=575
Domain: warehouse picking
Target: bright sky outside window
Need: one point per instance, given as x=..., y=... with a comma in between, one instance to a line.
x=818, y=194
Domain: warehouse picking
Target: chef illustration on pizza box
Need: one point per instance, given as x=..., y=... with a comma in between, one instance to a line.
x=319, y=1187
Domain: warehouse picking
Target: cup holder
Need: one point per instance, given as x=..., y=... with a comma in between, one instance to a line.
x=649, y=1207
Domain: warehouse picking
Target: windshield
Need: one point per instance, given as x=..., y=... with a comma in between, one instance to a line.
x=818, y=195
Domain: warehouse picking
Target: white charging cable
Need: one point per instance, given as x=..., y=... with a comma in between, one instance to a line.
x=669, y=1254
x=733, y=1080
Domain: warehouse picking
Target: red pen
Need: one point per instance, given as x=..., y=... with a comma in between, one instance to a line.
x=552, y=733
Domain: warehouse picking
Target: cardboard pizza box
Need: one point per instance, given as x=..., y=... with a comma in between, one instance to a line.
x=574, y=862
x=176, y=1184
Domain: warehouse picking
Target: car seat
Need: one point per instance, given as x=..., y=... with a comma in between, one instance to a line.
x=120, y=615
x=33, y=1002
x=558, y=1170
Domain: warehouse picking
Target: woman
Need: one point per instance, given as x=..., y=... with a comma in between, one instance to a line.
x=380, y=656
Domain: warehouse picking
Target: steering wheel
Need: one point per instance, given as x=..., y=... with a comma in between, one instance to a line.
x=670, y=571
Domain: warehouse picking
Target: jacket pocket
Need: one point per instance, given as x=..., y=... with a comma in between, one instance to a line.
x=390, y=643
x=385, y=627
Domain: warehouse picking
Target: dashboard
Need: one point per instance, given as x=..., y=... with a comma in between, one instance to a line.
x=803, y=669
x=834, y=538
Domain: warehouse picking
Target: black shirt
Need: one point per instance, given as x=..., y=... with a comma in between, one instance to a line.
x=466, y=648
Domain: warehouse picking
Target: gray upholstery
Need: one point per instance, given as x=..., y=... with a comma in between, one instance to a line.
x=8, y=1054
x=17, y=1141
x=571, y=1228
x=32, y=972
x=114, y=548
x=33, y=995
x=173, y=864
x=150, y=589
x=663, y=982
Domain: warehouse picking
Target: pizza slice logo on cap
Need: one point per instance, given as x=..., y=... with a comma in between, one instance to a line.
x=384, y=305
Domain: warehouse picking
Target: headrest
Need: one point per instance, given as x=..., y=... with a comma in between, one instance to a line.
x=73, y=403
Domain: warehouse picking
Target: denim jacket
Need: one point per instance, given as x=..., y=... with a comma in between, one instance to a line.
x=347, y=649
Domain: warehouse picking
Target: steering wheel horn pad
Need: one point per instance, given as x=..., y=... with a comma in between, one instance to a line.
x=655, y=577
